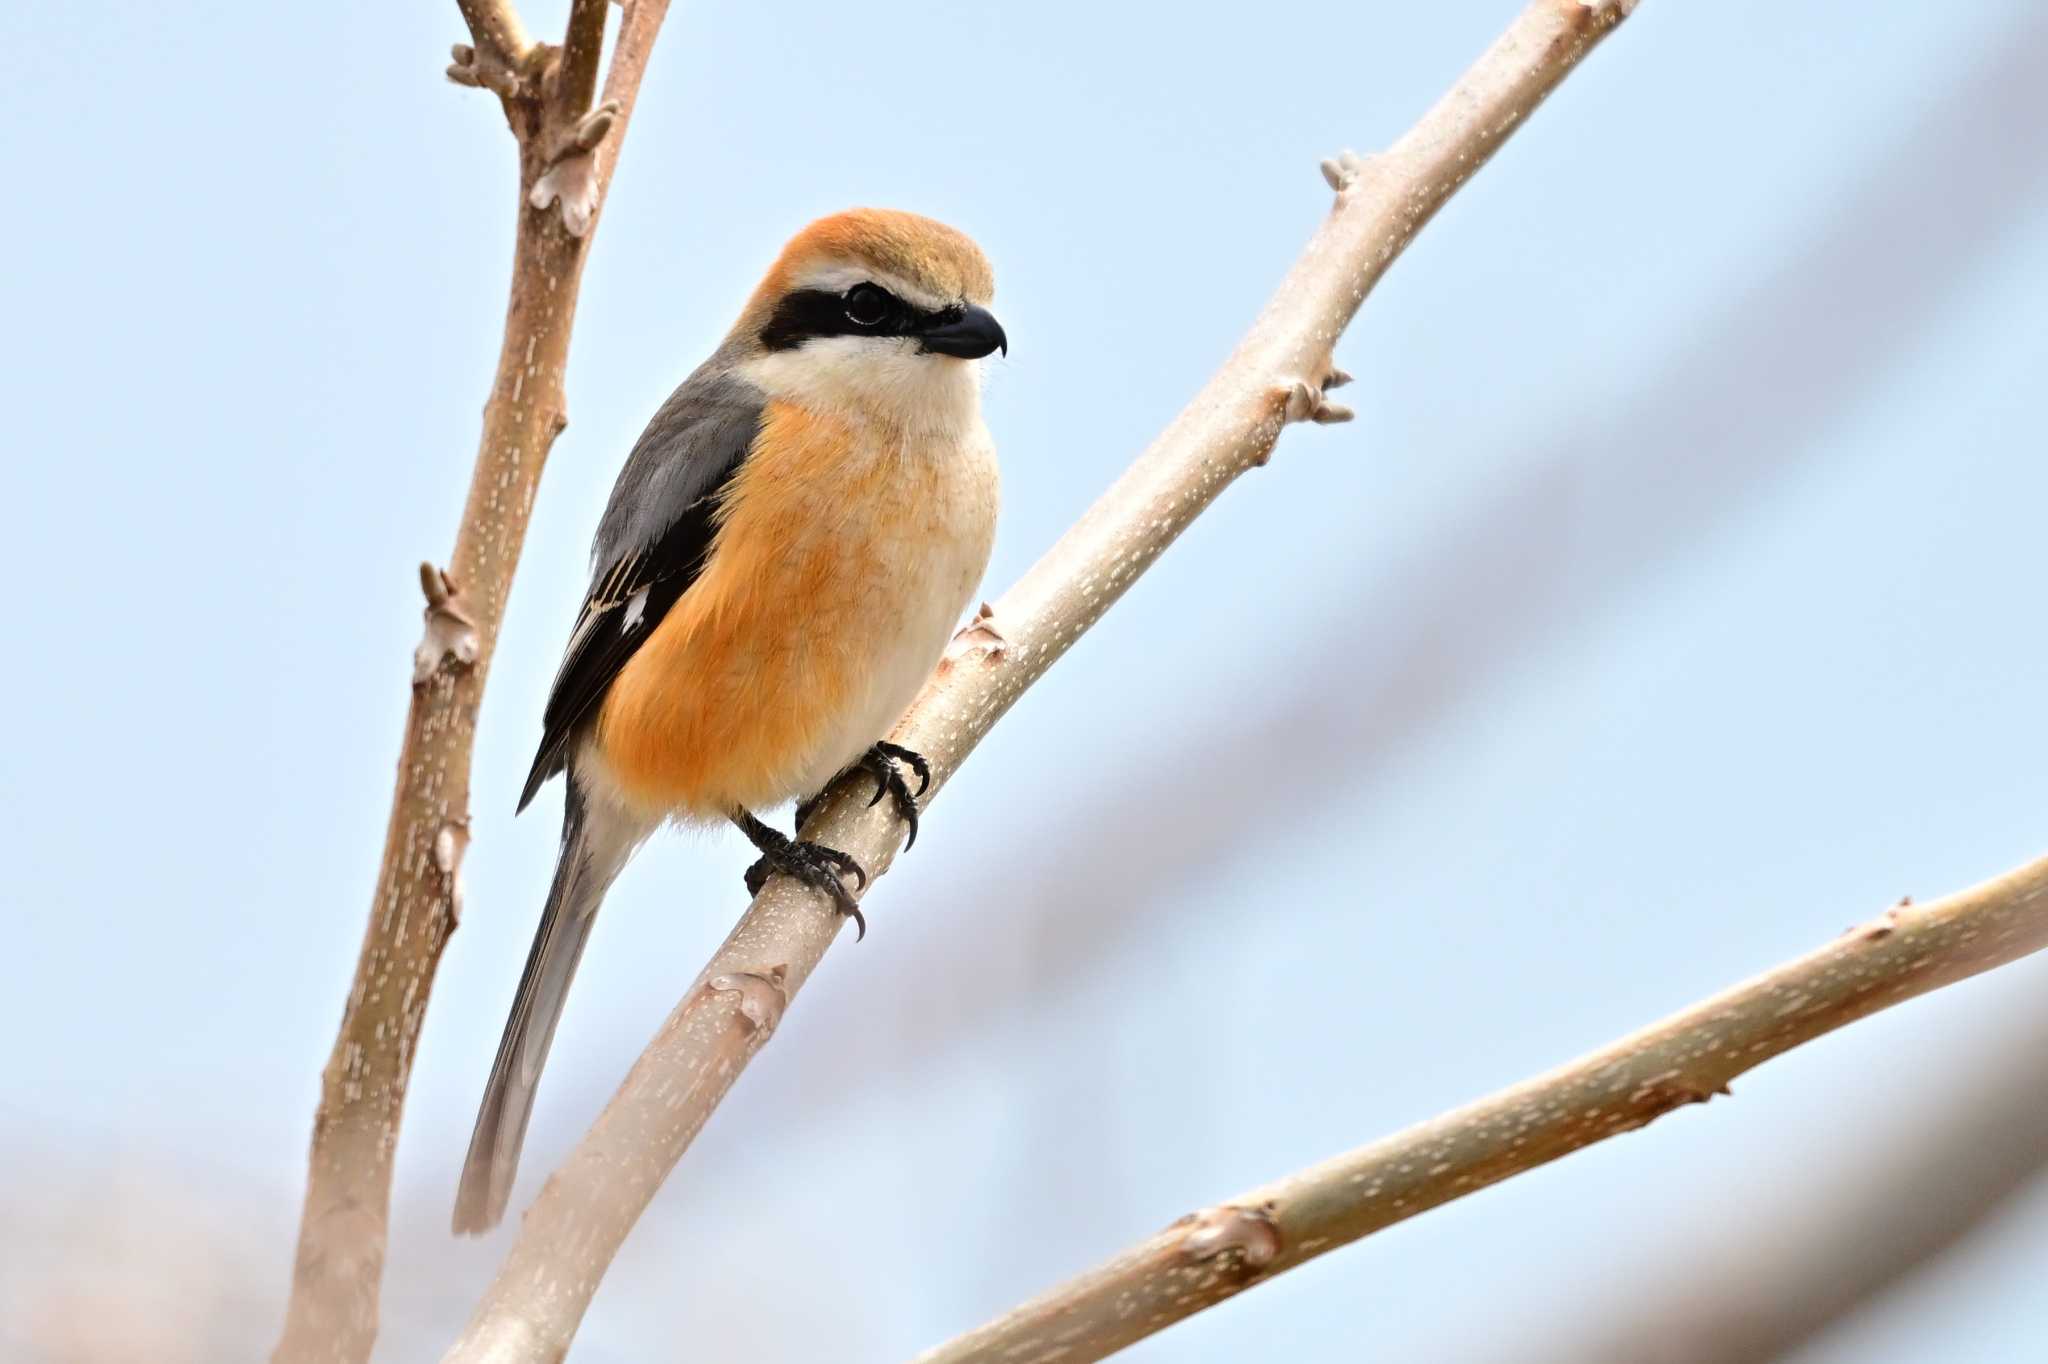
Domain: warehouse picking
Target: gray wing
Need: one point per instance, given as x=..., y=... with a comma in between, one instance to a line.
x=651, y=544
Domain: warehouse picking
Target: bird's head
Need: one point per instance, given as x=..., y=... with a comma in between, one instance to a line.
x=878, y=310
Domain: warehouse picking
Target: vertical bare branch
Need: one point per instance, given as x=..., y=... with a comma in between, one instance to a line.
x=546, y=93
x=1215, y=1254
x=1279, y=373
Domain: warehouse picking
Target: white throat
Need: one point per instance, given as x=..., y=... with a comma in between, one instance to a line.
x=876, y=378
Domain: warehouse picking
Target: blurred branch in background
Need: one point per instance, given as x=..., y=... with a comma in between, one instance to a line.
x=1575, y=525
x=1277, y=374
x=567, y=145
x=1850, y=1231
x=1853, y=1230
x=1212, y=1255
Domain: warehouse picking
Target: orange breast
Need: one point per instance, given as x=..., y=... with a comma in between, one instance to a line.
x=728, y=702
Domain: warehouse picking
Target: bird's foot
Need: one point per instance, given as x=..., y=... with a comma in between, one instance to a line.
x=885, y=763
x=812, y=864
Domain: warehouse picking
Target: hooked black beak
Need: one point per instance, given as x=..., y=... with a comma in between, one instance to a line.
x=969, y=336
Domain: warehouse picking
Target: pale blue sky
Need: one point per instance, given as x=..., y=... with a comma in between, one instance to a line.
x=1673, y=602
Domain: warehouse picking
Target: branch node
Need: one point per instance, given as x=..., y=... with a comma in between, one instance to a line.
x=573, y=181
x=1665, y=1092
x=1305, y=402
x=1341, y=171
x=1621, y=9
x=449, y=639
x=978, y=637
x=451, y=841
x=1885, y=924
x=762, y=998
x=589, y=130
x=483, y=69
x=571, y=174
x=1251, y=1232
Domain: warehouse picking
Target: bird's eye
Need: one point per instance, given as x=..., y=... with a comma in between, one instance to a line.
x=866, y=305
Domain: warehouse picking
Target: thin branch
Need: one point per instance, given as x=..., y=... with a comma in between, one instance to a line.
x=582, y=51
x=1847, y=1235
x=576, y=160
x=343, y=1228
x=497, y=28
x=503, y=57
x=1278, y=373
x=1212, y=1255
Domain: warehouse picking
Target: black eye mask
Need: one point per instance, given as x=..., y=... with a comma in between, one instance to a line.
x=864, y=310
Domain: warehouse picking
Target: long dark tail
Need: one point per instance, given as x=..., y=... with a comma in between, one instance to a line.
x=592, y=854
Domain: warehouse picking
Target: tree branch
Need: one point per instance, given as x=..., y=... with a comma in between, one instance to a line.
x=1848, y=1234
x=1212, y=1255
x=332, y=1314
x=1278, y=374
x=502, y=59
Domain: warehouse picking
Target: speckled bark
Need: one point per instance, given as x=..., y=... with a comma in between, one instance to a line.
x=332, y=1315
x=1279, y=373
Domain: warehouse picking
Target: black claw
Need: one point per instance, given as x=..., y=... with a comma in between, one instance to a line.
x=912, y=760
x=880, y=762
x=838, y=861
x=811, y=864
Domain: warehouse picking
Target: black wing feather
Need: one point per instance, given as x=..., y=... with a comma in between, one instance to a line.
x=654, y=539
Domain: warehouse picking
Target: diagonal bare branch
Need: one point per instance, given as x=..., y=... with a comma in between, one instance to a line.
x=1848, y=1234
x=1205, y=1258
x=1278, y=372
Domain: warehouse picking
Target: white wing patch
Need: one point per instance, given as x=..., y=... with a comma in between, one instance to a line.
x=636, y=607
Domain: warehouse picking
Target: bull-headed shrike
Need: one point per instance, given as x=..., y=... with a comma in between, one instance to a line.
x=784, y=556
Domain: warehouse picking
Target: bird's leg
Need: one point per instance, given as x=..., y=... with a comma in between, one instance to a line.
x=885, y=762
x=812, y=864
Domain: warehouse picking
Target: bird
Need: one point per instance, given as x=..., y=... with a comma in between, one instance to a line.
x=785, y=554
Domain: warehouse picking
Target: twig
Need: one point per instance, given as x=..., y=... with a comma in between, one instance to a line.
x=502, y=59
x=1688, y=1058
x=333, y=1310
x=1278, y=373
x=1846, y=1235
